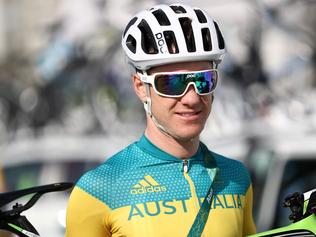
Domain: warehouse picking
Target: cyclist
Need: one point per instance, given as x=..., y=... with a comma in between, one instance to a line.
x=156, y=186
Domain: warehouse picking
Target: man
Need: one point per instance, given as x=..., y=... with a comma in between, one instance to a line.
x=156, y=186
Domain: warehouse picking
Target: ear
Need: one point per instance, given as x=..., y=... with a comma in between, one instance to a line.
x=139, y=87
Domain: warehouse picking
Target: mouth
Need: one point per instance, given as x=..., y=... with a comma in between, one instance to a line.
x=194, y=115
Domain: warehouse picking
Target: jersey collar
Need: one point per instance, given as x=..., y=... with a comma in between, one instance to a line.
x=146, y=145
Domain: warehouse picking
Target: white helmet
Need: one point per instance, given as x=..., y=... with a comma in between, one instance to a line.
x=167, y=34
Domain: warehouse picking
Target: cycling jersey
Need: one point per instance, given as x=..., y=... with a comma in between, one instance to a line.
x=143, y=191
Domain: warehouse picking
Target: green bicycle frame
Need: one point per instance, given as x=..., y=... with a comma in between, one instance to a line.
x=306, y=226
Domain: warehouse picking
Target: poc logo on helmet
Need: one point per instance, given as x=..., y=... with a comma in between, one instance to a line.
x=190, y=75
x=161, y=43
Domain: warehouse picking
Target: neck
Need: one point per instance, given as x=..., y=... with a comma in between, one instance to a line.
x=181, y=148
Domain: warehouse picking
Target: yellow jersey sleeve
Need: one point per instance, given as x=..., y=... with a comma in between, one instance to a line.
x=2, y=182
x=86, y=216
x=249, y=225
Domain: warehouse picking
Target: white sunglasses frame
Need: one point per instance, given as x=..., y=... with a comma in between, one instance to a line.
x=150, y=79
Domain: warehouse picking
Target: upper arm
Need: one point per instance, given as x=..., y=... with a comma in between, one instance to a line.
x=249, y=225
x=86, y=216
x=2, y=183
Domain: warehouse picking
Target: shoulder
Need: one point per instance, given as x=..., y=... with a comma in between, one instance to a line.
x=233, y=165
x=106, y=175
x=233, y=173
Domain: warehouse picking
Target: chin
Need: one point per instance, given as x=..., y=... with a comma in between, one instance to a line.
x=188, y=134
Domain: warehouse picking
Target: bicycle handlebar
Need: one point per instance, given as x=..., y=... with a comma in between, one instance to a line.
x=6, y=198
x=12, y=221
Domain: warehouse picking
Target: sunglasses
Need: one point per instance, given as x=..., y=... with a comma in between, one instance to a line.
x=176, y=84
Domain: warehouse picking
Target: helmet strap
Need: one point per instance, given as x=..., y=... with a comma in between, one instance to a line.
x=147, y=102
x=147, y=107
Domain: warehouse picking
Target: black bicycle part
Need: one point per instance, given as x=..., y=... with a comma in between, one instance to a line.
x=295, y=202
x=8, y=197
x=311, y=206
x=10, y=223
x=11, y=220
x=291, y=233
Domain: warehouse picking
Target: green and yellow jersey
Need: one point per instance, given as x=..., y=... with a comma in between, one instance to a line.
x=144, y=192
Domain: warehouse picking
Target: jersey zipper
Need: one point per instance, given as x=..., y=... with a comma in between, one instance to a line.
x=185, y=166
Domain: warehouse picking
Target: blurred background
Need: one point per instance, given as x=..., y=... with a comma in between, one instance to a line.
x=67, y=104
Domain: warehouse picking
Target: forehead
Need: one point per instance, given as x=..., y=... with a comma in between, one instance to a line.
x=183, y=66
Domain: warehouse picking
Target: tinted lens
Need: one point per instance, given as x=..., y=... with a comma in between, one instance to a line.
x=176, y=84
x=171, y=84
x=205, y=82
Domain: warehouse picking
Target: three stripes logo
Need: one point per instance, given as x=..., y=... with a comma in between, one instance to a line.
x=147, y=185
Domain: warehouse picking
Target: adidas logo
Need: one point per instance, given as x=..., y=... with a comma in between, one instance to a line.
x=147, y=185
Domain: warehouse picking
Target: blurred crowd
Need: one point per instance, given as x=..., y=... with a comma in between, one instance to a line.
x=62, y=69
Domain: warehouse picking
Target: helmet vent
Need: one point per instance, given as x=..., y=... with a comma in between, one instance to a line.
x=161, y=17
x=207, y=41
x=200, y=15
x=178, y=9
x=171, y=42
x=221, y=43
x=147, y=39
x=130, y=23
x=187, y=30
x=131, y=43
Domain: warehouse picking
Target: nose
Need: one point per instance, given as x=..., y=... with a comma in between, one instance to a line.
x=191, y=98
